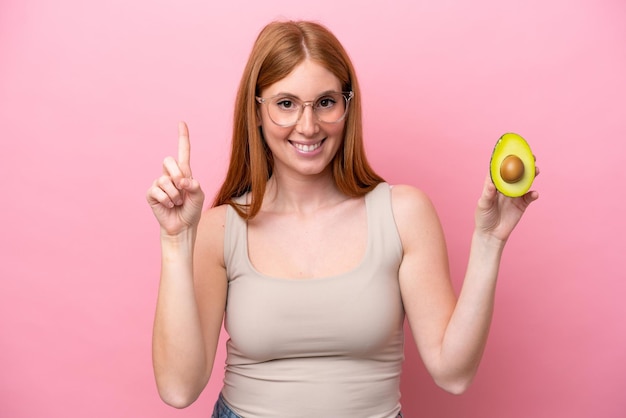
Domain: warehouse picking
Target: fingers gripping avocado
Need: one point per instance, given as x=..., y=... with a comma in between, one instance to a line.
x=512, y=166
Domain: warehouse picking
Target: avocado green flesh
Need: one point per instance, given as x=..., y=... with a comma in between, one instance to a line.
x=512, y=144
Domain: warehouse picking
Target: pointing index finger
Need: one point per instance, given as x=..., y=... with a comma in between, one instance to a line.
x=184, y=149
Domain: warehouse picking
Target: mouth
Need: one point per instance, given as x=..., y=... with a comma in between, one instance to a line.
x=307, y=147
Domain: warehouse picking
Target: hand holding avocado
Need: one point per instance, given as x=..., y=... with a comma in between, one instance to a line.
x=512, y=172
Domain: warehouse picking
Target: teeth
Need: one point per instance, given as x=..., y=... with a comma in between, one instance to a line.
x=307, y=148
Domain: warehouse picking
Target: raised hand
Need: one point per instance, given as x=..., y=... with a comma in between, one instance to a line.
x=175, y=197
x=496, y=214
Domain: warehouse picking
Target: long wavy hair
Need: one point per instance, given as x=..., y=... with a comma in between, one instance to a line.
x=279, y=48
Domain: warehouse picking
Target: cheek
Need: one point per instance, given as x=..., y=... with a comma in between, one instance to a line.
x=337, y=131
x=338, y=135
x=271, y=133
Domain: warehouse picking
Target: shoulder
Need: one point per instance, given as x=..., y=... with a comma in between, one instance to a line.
x=213, y=218
x=414, y=213
x=210, y=235
x=408, y=200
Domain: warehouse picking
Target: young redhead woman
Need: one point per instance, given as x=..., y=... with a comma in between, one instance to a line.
x=311, y=260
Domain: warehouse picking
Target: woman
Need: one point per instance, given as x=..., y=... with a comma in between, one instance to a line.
x=312, y=260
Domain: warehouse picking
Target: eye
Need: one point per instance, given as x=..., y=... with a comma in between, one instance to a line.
x=326, y=102
x=286, y=104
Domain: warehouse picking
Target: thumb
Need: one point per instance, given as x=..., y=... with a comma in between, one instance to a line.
x=192, y=189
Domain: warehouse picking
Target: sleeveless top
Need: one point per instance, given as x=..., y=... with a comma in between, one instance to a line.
x=319, y=347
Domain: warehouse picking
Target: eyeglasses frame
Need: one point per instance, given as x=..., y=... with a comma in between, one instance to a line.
x=348, y=96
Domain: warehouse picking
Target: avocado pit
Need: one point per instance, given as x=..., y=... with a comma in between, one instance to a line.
x=512, y=169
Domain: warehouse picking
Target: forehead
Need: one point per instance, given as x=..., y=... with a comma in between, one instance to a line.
x=308, y=80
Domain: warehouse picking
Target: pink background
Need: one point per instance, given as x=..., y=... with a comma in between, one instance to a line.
x=90, y=96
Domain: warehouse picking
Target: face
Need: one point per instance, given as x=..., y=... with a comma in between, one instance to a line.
x=308, y=147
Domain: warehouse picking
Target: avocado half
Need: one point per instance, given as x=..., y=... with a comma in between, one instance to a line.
x=512, y=166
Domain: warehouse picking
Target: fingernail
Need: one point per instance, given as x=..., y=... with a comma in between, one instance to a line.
x=179, y=202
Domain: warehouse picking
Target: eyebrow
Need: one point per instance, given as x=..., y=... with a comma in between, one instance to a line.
x=296, y=97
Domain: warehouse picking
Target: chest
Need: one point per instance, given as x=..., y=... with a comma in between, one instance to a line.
x=303, y=247
x=357, y=314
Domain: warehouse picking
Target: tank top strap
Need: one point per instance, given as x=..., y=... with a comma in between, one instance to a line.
x=383, y=233
x=235, y=241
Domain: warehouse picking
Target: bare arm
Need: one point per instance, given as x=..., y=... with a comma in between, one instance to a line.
x=451, y=334
x=192, y=288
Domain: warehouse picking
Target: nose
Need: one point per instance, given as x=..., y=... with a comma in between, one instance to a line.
x=307, y=123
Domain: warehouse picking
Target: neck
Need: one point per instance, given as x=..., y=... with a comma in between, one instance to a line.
x=301, y=195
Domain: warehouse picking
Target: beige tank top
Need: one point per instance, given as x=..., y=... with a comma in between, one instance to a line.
x=322, y=347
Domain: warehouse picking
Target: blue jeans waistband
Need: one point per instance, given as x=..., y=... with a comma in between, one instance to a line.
x=222, y=410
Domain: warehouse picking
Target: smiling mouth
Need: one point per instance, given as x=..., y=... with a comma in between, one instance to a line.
x=307, y=148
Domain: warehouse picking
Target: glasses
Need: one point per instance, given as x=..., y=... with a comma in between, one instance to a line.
x=285, y=110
